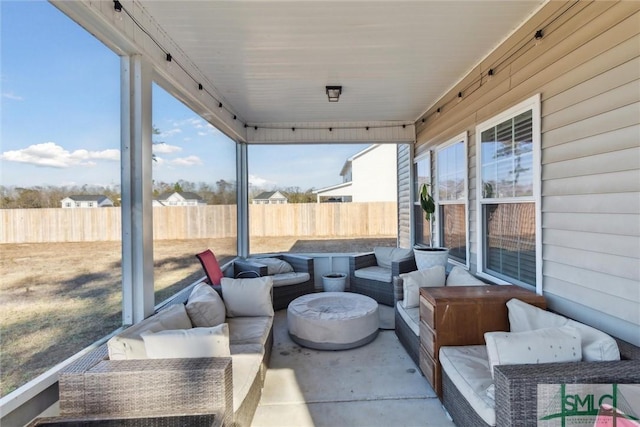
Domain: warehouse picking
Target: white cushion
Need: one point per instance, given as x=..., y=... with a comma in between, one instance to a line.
x=249, y=330
x=468, y=369
x=547, y=345
x=412, y=282
x=381, y=274
x=188, y=343
x=411, y=317
x=386, y=255
x=205, y=307
x=596, y=345
x=291, y=278
x=275, y=265
x=248, y=297
x=245, y=367
x=461, y=277
x=128, y=344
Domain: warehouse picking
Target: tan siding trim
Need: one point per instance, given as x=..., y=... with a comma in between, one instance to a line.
x=625, y=246
x=615, y=203
x=619, y=139
x=620, y=224
x=615, y=161
x=612, y=265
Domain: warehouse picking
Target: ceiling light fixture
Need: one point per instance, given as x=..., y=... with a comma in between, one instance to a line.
x=334, y=92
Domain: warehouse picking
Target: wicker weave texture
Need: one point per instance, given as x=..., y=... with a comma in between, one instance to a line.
x=409, y=340
x=198, y=420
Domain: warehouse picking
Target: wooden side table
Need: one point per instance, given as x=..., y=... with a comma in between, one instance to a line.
x=460, y=315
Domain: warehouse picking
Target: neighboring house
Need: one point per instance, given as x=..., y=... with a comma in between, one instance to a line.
x=179, y=199
x=367, y=176
x=270, y=198
x=91, y=201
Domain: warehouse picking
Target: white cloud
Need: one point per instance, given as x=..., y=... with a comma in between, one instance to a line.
x=186, y=161
x=52, y=155
x=170, y=132
x=12, y=96
x=259, y=182
x=164, y=148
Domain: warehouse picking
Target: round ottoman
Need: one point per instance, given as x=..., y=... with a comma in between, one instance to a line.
x=333, y=320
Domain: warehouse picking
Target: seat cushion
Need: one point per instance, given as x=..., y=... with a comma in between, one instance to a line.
x=249, y=330
x=596, y=345
x=291, y=278
x=245, y=368
x=468, y=369
x=128, y=344
x=380, y=274
x=411, y=317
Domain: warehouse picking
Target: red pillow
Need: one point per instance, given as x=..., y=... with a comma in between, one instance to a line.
x=210, y=266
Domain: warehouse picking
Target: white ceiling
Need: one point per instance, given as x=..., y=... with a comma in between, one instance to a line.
x=271, y=60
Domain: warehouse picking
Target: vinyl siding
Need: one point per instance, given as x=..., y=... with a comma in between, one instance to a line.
x=587, y=71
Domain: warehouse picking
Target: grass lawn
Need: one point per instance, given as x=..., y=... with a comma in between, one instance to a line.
x=57, y=298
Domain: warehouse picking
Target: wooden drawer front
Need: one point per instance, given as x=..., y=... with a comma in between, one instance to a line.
x=427, y=366
x=427, y=313
x=428, y=339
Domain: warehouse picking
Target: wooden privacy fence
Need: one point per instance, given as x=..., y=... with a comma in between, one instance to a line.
x=195, y=222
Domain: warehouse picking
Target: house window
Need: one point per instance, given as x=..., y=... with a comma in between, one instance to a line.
x=451, y=172
x=77, y=204
x=67, y=204
x=422, y=175
x=90, y=204
x=509, y=194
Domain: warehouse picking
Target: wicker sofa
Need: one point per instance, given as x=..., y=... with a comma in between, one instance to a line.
x=95, y=385
x=498, y=383
x=372, y=273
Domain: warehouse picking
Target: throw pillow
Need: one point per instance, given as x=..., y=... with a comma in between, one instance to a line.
x=128, y=344
x=188, y=343
x=205, y=307
x=596, y=345
x=413, y=281
x=461, y=277
x=248, y=297
x=545, y=345
x=386, y=255
x=275, y=265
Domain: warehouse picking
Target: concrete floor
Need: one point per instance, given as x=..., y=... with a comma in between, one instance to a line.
x=374, y=385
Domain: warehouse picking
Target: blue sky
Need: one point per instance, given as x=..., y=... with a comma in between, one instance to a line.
x=60, y=117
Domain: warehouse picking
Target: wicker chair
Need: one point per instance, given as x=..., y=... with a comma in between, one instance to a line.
x=376, y=289
x=516, y=386
x=282, y=294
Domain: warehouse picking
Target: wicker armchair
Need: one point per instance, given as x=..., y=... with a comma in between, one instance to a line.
x=376, y=289
x=516, y=386
x=283, y=294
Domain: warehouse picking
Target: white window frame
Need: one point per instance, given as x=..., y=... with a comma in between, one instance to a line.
x=427, y=155
x=532, y=104
x=464, y=139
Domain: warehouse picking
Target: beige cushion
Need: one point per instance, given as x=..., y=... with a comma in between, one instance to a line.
x=547, y=345
x=275, y=265
x=249, y=330
x=245, y=368
x=129, y=344
x=381, y=274
x=205, y=307
x=461, y=277
x=248, y=297
x=291, y=278
x=596, y=345
x=411, y=317
x=188, y=343
x=385, y=255
x=413, y=281
x=467, y=367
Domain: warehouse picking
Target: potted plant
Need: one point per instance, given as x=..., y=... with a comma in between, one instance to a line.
x=429, y=256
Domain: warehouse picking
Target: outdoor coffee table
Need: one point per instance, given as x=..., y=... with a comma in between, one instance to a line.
x=333, y=320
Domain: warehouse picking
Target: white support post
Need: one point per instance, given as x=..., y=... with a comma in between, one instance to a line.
x=242, y=191
x=137, y=215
